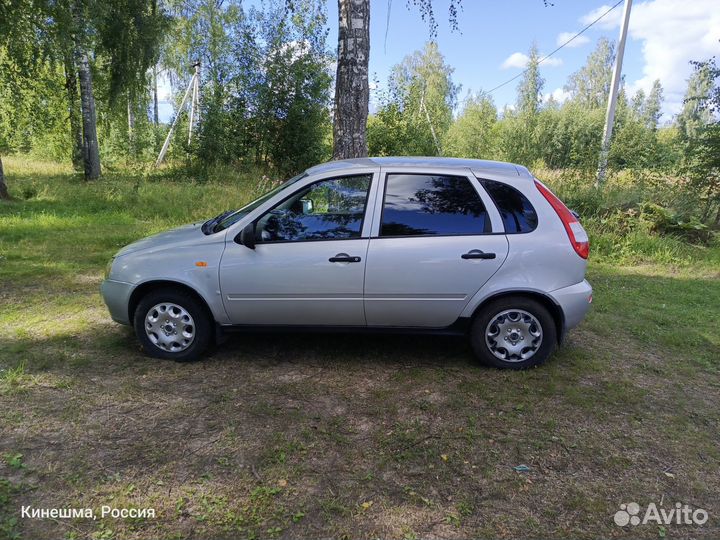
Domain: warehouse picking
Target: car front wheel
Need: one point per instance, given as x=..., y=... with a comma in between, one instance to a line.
x=172, y=324
x=513, y=332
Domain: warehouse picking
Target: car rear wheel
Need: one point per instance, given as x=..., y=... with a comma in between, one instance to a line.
x=172, y=324
x=513, y=332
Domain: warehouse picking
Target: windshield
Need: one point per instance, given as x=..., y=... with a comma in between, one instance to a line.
x=235, y=216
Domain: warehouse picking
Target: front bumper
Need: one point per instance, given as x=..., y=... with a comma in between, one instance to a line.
x=574, y=301
x=116, y=295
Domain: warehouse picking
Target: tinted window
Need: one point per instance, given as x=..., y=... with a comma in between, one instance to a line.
x=432, y=205
x=327, y=210
x=233, y=218
x=517, y=213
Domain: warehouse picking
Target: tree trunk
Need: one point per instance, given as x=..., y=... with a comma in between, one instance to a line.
x=156, y=112
x=131, y=124
x=352, y=91
x=75, y=127
x=4, y=195
x=91, y=151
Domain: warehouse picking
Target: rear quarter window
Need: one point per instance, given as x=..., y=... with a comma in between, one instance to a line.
x=517, y=213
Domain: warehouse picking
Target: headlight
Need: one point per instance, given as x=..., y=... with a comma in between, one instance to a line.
x=108, y=267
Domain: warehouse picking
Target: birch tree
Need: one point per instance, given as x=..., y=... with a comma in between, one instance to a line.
x=590, y=85
x=352, y=89
x=91, y=149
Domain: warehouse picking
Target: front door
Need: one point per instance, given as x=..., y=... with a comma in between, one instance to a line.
x=308, y=264
x=433, y=250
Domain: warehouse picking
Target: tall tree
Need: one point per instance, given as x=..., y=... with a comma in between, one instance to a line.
x=156, y=109
x=91, y=149
x=17, y=48
x=531, y=85
x=471, y=134
x=590, y=85
x=427, y=95
x=653, y=105
x=638, y=103
x=702, y=159
x=112, y=37
x=71, y=86
x=695, y=114
x=352, y=89
x=417, y=107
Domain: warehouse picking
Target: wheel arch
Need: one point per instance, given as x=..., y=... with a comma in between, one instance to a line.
x=144, y=288
x=553, y=307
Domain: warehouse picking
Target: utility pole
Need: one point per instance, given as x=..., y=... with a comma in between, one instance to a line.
x=612, y=99
x=194, y=87
x=195, y=101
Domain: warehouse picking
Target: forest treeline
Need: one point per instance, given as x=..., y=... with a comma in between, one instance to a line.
x=267, y=80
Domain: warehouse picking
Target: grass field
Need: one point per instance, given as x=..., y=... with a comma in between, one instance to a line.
x=337, y=436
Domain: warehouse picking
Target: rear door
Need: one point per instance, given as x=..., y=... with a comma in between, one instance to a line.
x=436, y=239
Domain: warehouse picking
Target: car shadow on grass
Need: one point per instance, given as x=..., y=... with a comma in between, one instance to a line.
x=345, y=348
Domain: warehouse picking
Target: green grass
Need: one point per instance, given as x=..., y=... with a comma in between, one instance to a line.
x=342, y=436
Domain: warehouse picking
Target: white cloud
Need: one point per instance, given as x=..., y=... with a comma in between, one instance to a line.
x=515, y=60
x=559, y=95
x=671, y=33
x=579, y=41
x=520, y=60
x=552, y=62
x=608, y=22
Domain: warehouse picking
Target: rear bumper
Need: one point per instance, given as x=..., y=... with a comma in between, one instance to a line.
x=574, y=301
x=116, y=295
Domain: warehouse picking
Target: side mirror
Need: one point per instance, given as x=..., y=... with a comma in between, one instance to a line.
x=307, y=206
x=247, y=236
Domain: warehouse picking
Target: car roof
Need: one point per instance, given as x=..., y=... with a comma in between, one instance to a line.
x=478, y=166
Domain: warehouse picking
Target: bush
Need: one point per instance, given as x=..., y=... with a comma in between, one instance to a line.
x=637, y=216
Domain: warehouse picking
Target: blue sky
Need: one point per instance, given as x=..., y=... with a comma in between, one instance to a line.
x=489, y=33
x=492, y=36
x=664, y=36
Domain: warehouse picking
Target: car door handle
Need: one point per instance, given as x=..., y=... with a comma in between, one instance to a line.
x=344, y=257
x=477, y=254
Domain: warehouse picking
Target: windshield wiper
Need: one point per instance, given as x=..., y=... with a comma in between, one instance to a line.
x=209, y=226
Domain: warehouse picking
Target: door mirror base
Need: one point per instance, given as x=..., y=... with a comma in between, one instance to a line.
x=247, y=236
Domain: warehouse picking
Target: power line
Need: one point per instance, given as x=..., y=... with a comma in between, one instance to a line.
x=387, y=25
x=556, y=50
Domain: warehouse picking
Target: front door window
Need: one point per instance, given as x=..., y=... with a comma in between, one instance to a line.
x=326, y=210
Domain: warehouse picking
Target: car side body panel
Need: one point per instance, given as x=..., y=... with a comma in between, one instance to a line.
x=540, y=261
x=193, y=261
x=403, y=282
x=423, y=281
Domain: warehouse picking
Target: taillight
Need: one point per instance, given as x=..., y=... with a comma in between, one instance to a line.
x=576, y=233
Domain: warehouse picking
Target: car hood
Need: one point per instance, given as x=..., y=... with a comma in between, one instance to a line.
x=181, y=235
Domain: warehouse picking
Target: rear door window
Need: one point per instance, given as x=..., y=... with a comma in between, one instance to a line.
x=517, y=213
x=432, y=205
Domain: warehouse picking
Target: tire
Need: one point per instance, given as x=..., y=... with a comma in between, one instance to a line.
x=179, y=326
x=513, y=332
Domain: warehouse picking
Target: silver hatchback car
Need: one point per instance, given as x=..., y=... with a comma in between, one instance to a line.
x=470, y=247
